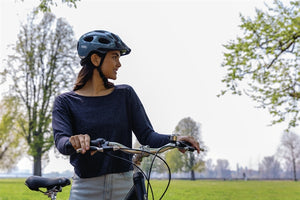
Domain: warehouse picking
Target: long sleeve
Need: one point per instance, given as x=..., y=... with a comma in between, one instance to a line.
x=141, y=124
x=62, y=127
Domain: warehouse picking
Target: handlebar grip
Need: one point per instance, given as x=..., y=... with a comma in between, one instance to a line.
x=69, y=147
x=94, y=144
x=97, y=142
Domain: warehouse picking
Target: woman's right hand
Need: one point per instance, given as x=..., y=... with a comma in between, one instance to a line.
x=80, y=141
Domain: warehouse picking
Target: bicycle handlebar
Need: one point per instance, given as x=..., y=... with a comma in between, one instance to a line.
x=101, y=145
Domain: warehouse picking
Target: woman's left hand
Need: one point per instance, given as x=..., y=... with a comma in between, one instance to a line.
x=191, y=140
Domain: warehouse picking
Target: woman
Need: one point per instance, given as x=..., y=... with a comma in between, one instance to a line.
x=97, y=108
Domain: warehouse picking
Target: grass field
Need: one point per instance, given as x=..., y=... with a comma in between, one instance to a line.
x=14, y=189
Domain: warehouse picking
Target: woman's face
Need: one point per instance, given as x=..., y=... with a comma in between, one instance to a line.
x=111, y=64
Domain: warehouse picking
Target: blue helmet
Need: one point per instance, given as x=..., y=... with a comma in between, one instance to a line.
x=100, y=41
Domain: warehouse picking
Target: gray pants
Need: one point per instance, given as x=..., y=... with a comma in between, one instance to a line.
x=106, y=187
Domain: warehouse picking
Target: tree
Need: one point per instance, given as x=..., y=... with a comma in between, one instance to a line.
x=222, y=169
x=289, y=150
x=269, y=168
x=45, y=5
x=40, y=69
x=157, y=166
x=241, y=172
x=209, y=171
x=264, y=62
x=11, y=146
x=189, y=161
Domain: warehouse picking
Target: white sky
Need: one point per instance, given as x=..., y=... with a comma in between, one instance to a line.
x=175, y=67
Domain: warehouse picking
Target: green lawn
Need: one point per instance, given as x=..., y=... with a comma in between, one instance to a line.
x=14, y=189
x=232, y=190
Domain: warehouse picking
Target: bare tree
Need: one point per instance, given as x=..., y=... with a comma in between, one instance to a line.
x=39, y=69
x=269, y=168
x=289, y=150
x=222, y=169
x=209, y=171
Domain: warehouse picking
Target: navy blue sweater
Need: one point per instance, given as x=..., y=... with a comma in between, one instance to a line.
x=112, y=117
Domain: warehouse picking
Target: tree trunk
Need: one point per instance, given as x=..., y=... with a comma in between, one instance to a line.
x=37, y=165
x=193, y=175
x=294, y=169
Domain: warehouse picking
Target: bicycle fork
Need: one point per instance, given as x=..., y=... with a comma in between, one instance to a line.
x=139, y=184
x=138, y=190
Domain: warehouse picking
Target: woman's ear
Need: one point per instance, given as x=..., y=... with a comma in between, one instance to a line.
x=95, y=59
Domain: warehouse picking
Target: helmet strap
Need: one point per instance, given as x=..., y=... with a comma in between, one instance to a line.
x=105, y=80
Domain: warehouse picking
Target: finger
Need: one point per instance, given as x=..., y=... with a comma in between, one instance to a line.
x=198, y=148
x=82, y=143
x=196, y=145
x=76, y=142
x=87, y=141
x=191, y=140
x=72, y=140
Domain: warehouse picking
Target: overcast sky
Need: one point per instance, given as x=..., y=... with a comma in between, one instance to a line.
x=175, y=66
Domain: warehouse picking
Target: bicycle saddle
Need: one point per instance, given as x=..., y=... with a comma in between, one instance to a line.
x=36, y=182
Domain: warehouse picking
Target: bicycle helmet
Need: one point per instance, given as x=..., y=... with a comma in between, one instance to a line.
x=100, y=41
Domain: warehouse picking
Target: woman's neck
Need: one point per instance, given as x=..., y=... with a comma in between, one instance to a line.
x=94, y=87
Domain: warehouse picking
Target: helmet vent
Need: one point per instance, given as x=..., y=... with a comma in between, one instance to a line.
x=88, y=39
x=104, y=41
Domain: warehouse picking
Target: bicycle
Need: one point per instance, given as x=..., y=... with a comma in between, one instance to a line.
x=138, y=190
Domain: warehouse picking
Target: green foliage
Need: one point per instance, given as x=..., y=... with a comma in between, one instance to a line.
x=175, y=160
x=189, y=161
x=40, y=68
x=264, y=62
x=45, y=5
x=11, y=144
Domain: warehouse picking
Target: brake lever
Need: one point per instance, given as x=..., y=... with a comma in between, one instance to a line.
x=92, y=148
x=97, y=142
x=101, y=148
